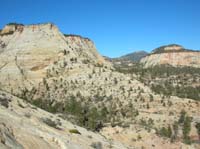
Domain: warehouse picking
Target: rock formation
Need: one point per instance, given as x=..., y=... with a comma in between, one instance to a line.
x=28, y=51
x=174, y=55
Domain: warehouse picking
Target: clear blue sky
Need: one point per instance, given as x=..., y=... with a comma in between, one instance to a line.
x=116, y=26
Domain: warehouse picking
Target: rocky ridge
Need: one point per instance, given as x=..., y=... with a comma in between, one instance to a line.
x=174, y=55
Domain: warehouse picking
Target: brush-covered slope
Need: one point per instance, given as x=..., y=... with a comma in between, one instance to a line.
x=135, y=56
x=174, y=55
x=127, y=60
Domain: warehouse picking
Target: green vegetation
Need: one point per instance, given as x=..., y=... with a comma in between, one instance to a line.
x=159, y=71
x=14, y=23
x=88, y=117
x=168, y=80
x=198, y=128
x=83, y=115
x=172, y=131
x=148, y=125
x=182, y=117
x=182, y=92
x=151, y=98
x=175, y=131
x=186, y=129
x=165, y=132
x=185, y=122
x=48, y=105
x=74, y=131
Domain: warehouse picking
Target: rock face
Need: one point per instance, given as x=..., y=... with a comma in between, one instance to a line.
x=11, y=28
x=7, y=138
x=174, y=55
x=169, y=48
x=26, y=52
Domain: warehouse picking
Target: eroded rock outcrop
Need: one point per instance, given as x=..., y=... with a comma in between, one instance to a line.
x=27, y=53
x=7, y=138
x=174, y=55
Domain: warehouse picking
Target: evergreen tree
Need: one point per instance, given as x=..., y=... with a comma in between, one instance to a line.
x=198, y=129
x=186, y=129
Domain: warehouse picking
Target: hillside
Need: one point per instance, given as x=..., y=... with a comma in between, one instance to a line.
x=65, y=75
x=135, y=56
x=127, y=60
x=174, y=55
x=23, y=125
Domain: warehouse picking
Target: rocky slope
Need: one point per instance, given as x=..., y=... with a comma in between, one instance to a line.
x=27, y=52
x=25, y=126
x=174, y=55
x=51, y=70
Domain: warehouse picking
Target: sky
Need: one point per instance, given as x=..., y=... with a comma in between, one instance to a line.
x=117, y=27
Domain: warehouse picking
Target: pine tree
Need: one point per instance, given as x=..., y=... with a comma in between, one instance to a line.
x=198, y=129
x=186, y=129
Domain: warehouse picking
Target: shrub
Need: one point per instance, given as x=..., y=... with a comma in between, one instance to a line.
x=165, y=132
x=139, y=137
x=115, y=81
x=74, y=131
x=4, y=102
x=175, y=131
x=14, y=23
x=151, y=98
x=48, y=105
x=148, y=106
x=97, y=145
x=182, y=117
x=198, y=129
x=87, y=117
x=186, y=129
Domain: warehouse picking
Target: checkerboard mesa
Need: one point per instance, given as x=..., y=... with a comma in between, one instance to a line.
x=174, y=55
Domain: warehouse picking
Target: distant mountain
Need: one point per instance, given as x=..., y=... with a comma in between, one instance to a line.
x=135, y=56
x=128, y=59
